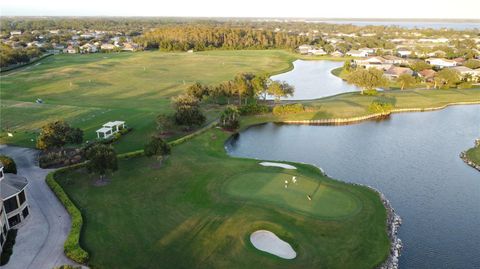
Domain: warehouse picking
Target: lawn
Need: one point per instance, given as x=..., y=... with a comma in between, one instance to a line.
x=89, y=90
x=473, y=154
x=197, y=210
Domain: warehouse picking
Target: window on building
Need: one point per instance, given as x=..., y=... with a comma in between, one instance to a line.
x=1, y=239
x=10, y=204
x=1, y=173
x=21, y=197
x=14, y=220
x=5, y=228
x=25, y=212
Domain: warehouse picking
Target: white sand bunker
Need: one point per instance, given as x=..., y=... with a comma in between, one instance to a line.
x=282, y=165
x=269, y=242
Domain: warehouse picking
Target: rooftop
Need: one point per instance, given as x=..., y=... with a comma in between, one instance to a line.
x=12, y=184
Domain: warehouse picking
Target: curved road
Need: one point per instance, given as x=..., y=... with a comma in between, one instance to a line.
x=39, y=242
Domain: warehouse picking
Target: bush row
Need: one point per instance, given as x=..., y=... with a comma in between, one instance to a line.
x=253, y=109
x=288, y=109
x=72, y=247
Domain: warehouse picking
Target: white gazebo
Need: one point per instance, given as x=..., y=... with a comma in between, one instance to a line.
x=110, y=128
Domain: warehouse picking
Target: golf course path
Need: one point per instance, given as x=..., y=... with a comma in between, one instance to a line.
x=39, y=242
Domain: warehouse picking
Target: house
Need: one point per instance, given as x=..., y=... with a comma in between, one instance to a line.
x=88, y=48
x=464, y=71
x=371, y=60
x=130, y=47
x=395, y=71
x=390, y=59
x=337, y=54
x=404, y=53
x=110, y=128
x=357, y=53
x=459, y=60
x=367, y=50
x=441, y=62
x=12, y=33
x=70, y=49
x=437, y=53
x=427, y=75
x=54, y=32
x=308, y=49
x=189, y=51
x=317, y=51
x=303, y=49
x=14, y=208
x=106, y=46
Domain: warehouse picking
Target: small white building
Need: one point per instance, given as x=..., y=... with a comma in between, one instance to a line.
x=110, y=128
x=404, y=53
x=440, y=62
x=357, y=53
x=12, y=33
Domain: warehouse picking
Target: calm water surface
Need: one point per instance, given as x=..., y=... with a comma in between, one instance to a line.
x=412, y=158
x=313, y=79
x=413, y=24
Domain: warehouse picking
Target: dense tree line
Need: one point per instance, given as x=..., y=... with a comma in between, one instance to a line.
x=10, y=56
x=201, y=37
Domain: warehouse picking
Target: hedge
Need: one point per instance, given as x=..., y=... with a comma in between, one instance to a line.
x=72, y=247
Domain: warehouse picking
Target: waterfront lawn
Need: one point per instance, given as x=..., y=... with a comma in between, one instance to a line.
x=354, y=104
x=473, y=155
x=185, y=213
x=89, y=90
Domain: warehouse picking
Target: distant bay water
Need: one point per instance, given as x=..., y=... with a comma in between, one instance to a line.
x=409, y=24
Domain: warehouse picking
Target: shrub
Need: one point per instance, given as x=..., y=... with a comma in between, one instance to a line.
x=229, y=118
x=8, y=247
x=372, y=92
x=9, y=165
x=288, y=109
x=72, y=247
x=465, y=85
x=253, y=109
x=156, y=146
x=380, y=107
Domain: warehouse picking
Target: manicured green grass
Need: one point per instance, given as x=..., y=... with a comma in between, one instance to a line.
x=326, y=201
x=473, y=154
x=195, y=211
x=89, y=90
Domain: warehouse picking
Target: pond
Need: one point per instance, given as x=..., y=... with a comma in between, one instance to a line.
x=313, y=79
x=413, y=158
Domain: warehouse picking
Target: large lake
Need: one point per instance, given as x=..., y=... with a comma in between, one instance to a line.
x=313, y=79
x=411, y=24
x=412, y=158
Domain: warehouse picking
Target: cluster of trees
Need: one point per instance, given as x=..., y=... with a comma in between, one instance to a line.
x=204, y=37
x=10, y=56
x=58, y=133
x=244, y=87
x=367, y=79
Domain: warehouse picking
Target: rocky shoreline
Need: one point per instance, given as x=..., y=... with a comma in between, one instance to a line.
x=463, y=156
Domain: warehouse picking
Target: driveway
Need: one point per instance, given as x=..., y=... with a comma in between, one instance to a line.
x=39, y=242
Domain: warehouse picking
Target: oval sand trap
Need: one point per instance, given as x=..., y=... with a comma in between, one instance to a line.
x=269, y=242
x=282, y=165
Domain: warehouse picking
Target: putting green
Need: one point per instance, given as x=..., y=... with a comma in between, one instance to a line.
x=326, y=201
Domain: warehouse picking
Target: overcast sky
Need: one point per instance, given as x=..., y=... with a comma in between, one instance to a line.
x=460, y=9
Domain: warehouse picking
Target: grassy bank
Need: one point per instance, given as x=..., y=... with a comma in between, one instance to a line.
x=473, y=155
x=354, y=104
x=197, y=209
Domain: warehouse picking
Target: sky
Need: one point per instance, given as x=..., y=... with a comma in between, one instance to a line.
x=449, y=9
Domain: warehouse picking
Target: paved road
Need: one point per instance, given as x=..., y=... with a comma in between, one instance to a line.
x=39, y=243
